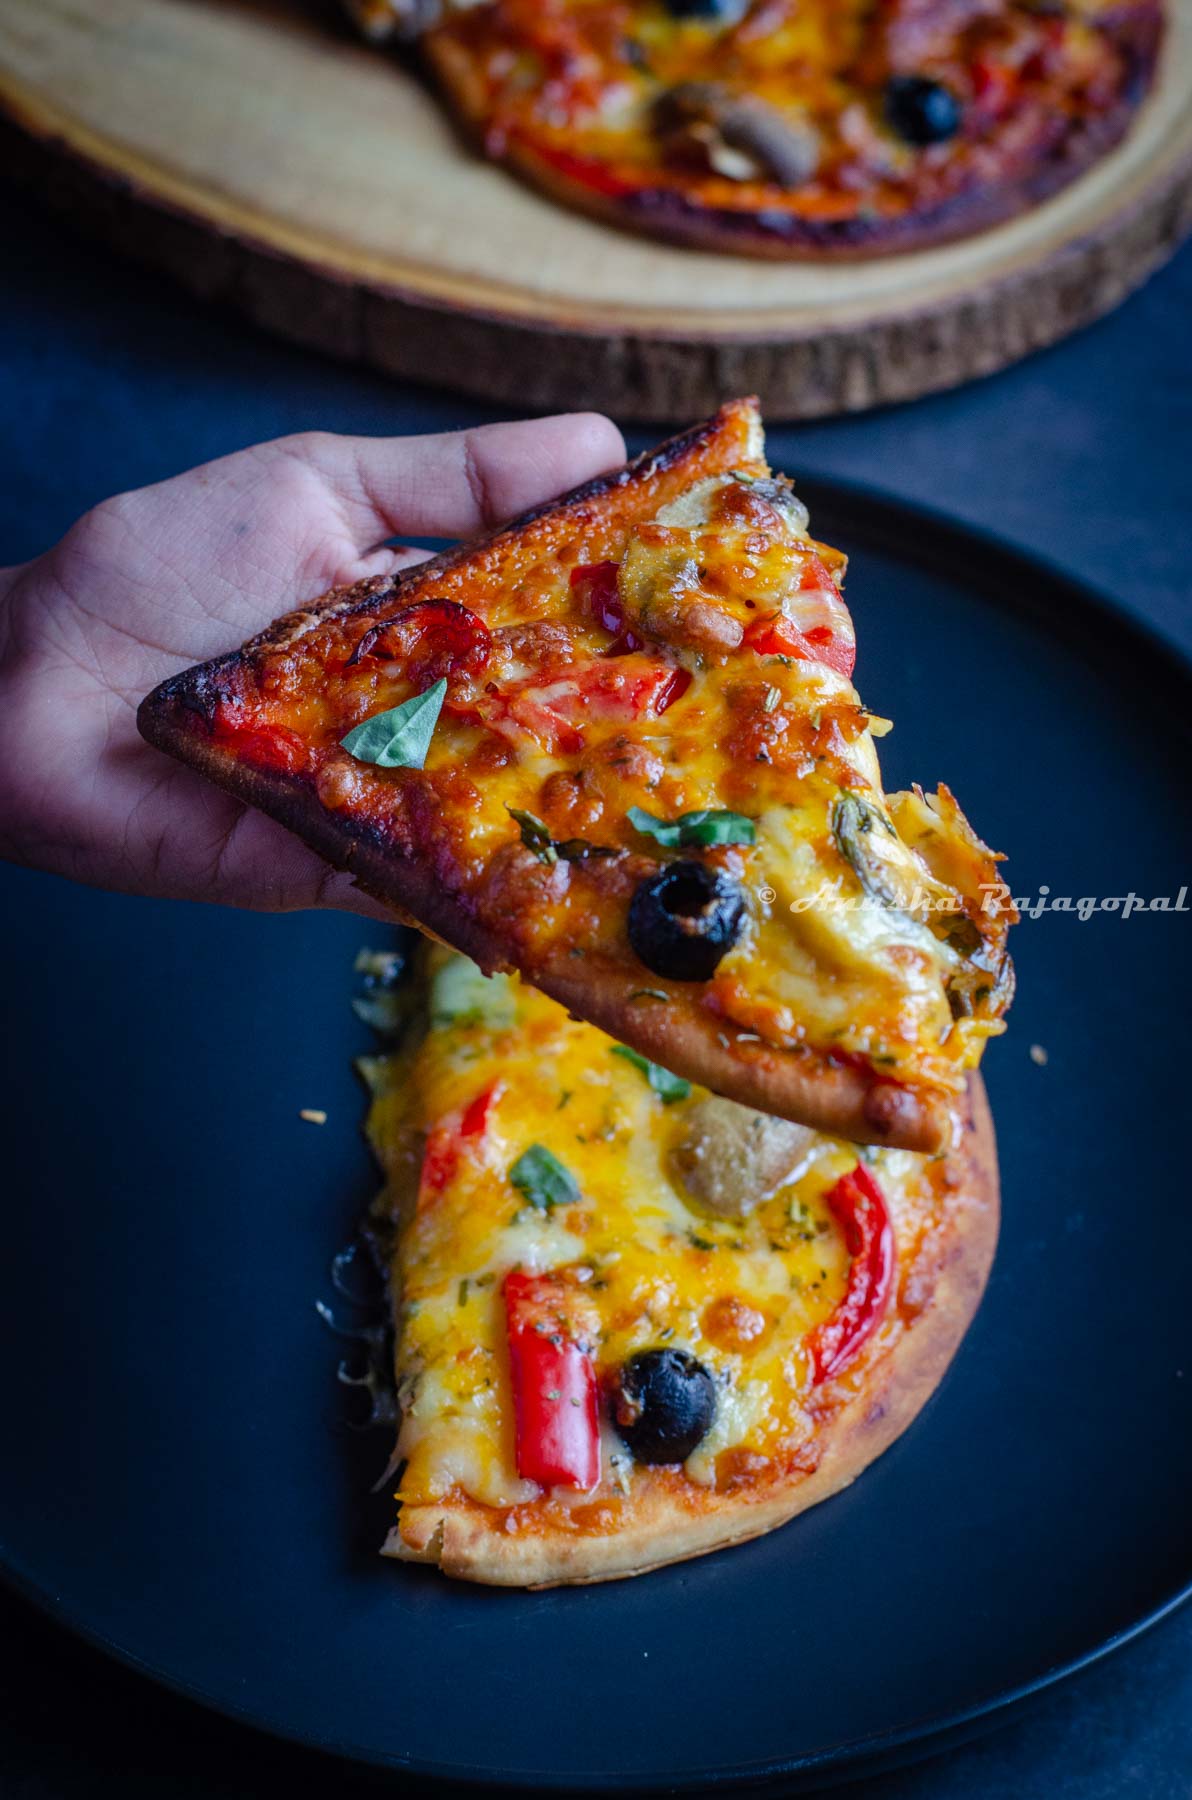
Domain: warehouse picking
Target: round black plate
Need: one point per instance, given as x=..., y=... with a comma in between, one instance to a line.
x=180, y=1485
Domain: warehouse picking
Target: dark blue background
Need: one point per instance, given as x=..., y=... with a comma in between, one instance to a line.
x=112, y=379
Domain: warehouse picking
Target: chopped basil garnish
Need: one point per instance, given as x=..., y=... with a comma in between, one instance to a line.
x=536, y=837
x=542, y=1178
x=707, y=826
x=534, y=834
x=668, y=1087
x=399, y=738
x=579, y=849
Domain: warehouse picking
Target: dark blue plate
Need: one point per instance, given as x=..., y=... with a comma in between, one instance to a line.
x=180, y=1485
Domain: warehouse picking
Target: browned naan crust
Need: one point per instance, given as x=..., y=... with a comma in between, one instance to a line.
x=836, y=1097
x=470, y=1541
x=682, y=218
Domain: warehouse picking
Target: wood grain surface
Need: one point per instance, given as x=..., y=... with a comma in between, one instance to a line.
x=258, y=154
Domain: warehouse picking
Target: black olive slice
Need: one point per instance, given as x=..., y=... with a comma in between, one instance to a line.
x=664, y=1402
x=682, y=920
x=704, y=9
x=920, y=110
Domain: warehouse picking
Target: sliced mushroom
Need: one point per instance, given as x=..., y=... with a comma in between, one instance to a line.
x=738, y=135
x=660, y=592
x=730, y=1159
x=787, y=151
x=705, y=502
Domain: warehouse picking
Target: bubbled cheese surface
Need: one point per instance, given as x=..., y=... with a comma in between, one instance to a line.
x=843, y=951
x=739, y=1294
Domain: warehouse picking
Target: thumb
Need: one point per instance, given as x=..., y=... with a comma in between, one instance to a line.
x=457, y=483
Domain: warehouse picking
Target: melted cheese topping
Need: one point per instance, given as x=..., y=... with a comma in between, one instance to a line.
x=739, y=1293
x=670, y=692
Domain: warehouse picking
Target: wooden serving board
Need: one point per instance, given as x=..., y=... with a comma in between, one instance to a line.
x=264, y=158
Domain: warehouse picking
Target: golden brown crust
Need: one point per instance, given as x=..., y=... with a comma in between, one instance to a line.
x=683, y=217
x=731, y=438
x=473, y=1543
x=838, y=1098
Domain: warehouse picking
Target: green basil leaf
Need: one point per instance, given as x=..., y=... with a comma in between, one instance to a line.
x=668, y=1087
x=536, y=837
x=716, y=828
x=659, y=829
x=706, y=826
x=399, y=738
x=579, y=849
x=543, y=1180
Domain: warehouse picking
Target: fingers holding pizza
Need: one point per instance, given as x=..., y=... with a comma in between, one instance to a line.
x=153, y=579
x=615, y=746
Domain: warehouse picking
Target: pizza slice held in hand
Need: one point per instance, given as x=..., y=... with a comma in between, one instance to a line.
x=616, y=747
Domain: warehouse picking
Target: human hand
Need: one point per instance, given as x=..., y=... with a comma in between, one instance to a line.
x=153, y=580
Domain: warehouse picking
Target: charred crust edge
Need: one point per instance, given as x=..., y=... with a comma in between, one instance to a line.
x=195, y=690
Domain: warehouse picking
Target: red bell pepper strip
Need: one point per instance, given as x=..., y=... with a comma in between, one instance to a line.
x=995, y=86
x=431, y=639
x=554, y=1386
x=595, y=585
x=777, y=635
x=859, y=1205
x=813, y=626
x=451, y=1138
x=588, y=171
x=474, y=1122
